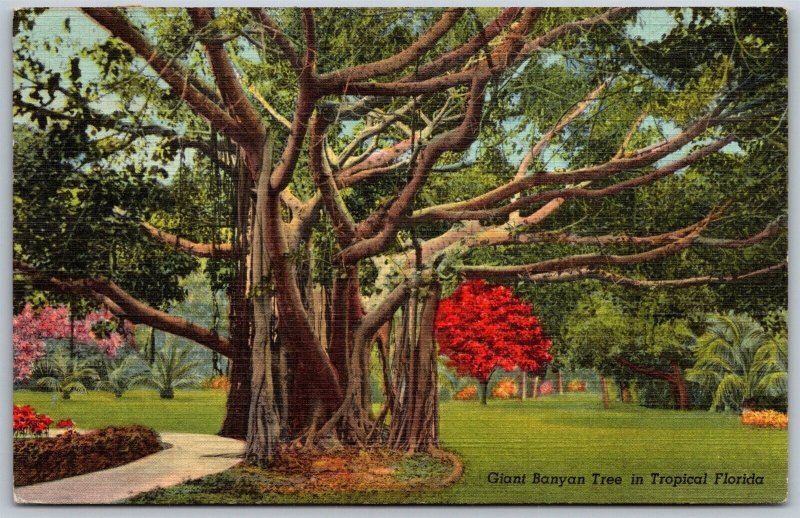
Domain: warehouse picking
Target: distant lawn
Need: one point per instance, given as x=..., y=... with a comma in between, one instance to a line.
x=556, y=435
x=196, y=411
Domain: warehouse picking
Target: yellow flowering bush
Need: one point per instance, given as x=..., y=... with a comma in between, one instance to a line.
x=765, y=419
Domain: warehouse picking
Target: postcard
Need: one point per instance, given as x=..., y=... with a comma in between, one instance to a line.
x=388, y=255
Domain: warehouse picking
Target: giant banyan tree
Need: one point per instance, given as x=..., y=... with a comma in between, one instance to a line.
x=370, y=153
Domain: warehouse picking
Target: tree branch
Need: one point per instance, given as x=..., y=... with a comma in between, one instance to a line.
x=615, y=278
x=280, y=38
x=215, y=250
x=124, y=305
x=592, y=260
x=334, y=81
x=183, y=84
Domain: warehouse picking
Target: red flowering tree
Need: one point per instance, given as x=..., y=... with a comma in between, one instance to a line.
x=482, y=327
x=33, y=328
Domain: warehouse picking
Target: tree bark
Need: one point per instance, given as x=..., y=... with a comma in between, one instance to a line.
x=415, y=415
x=604, y=391
x=679, y=384
x=535, y=387
x=524, y=383
x=560, y=382
x=263, y=428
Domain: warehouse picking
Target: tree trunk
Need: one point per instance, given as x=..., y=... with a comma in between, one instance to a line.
x=535, y=387
x=524, y=383
x=604, y=391
x=263, y=428
x=415, y=415
x=560, y=382
x=239, y=316
x=679, y=384
x=484, y=392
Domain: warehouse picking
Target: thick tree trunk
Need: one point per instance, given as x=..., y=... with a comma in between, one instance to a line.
x=604, y=391
x=415, y=415
x=239, y=316
x=237, y=407
x=263, y=427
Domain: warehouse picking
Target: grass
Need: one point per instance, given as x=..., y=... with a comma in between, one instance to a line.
x=556, y=435
x=195, y=411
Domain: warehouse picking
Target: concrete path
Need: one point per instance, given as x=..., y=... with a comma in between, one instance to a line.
x=191, y=456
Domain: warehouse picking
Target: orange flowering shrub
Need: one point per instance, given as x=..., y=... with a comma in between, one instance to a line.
x=469, y=392
x=506, y=388
x=217, y=382
x=765, y=419
x=576, y=386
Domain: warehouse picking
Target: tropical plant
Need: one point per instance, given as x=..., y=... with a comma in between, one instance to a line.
x=64, y=374
x=172, y=369
x=739, y=362
x=122, y=375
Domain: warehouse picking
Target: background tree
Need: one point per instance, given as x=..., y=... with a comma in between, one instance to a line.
x=482, y=328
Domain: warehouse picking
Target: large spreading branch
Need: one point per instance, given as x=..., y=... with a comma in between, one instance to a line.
x=338, y=79
x=449, y=214
x=593, y=260
x=124, y=305
x=622, y=280
x=636, y=160
x=200, y=97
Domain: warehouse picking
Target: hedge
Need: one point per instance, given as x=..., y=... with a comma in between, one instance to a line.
x=71, y=453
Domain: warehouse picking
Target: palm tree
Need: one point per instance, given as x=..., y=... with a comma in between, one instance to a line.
x=172, y=369
x=123, y=374
x=739, y=362
x=61, y=373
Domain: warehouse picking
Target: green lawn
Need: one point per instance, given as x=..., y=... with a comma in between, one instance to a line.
x=197, y=411
x=554, y=436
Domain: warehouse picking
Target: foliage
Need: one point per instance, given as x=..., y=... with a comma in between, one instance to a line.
x=220, y=382
x=466, y=393
x=546, y=388
x=172, y=369
x=64, y=374
x=28, y=423
x=122, y=375
x=765, y=419
x=33, y=327
x=739, y=362
x=71, y=453
x=576, y=386
x=481, y=327
x=506, y=388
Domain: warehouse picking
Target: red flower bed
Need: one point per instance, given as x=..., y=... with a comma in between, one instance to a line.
x=71, y=454
x=28, y=423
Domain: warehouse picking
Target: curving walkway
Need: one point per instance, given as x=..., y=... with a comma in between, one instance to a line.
x=190, y=456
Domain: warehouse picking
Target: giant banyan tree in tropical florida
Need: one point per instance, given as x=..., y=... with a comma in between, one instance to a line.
x=337, y=169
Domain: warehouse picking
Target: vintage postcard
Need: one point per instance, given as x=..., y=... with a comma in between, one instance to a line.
x=385, y=255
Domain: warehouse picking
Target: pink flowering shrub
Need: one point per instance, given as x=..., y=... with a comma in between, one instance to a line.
x=33, y=328
x=546, y=388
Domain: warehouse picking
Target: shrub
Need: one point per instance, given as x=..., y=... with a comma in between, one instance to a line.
x=220, y=382
x=765, y=419
x=546, y=388
x=506, y=388
x=576, y=386
x=71, y=453
x=66, y=423
x=468, y=392
x=28, y=423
